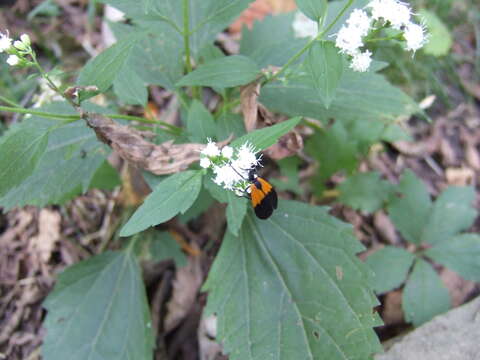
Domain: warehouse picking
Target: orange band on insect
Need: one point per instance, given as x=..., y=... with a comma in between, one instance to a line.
x=263, y=197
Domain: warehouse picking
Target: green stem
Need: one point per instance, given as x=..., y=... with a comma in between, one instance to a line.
x=173, y=129
x=39, y=113
x=309, y=44
x=186, y=42
x=9, y=102
x=144, y=120
x=50, y=82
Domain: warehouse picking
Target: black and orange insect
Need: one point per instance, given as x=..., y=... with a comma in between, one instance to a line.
x=262, y=195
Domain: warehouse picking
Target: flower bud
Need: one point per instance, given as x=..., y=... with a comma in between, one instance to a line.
x=25, y=39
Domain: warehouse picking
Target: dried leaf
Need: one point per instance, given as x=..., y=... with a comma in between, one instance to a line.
x=459, y=289
x=256, y=11
x=460, y=176
x=187, y=282
x=207, y=331
x=248, y=98
x=287, y=145
x=385, y=228
x=167, y=158
x=43, y=244
x=392, y=311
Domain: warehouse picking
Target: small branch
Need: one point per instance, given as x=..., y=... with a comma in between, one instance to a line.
x=39, y=113
x=308, y=45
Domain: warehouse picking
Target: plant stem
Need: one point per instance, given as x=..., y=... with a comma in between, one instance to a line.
x=172, y=128
x=186, y=42
x=9, y=102
x=308, y=45
x=50, y=82
x=39, y=113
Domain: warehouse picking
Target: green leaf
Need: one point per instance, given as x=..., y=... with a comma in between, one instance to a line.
x=230, y=124
x=266, y=137
x=291, y=287
x=99, y=310
x=325, y=66
x=162, y=246
x=236, y=206
x=200, y=206
x=106, y=177
x=360, y=97
x=390, y=265
x=129, y=87
x=47, y=8
x=410, y=210
x=271, y=41
x=236, y=211
x=461, y=254
x=200, y=123
x=173, y=195
x=335, y=150
x=452, y=213
x=289, y=170
x=21, y=147
x=102, y=70
x=207, y=17
x=314, y=9
x=72, y=157
x=424, y=295
x=439, y=37
x=365, y=191
x=334, y=9
x=225, y=72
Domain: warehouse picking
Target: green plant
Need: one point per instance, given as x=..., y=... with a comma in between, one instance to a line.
x=436, y=230
x=287, y=287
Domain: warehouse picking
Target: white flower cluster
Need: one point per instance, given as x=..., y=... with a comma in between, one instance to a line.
x=17, y=50
x=393, y=13
x=230, y=165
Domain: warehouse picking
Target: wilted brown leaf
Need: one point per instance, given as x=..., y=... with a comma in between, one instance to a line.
x=392, y=308
x=248, y=98
x=166, y=158
x=459, y=289
x=186, y=284
x=288, y=145
x=460, y=176
x=256, y=11
x=385, y=228
x=48, y=234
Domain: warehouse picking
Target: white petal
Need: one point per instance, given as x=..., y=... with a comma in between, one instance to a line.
x=205, y=162
x=227, y=151
x=13, y=60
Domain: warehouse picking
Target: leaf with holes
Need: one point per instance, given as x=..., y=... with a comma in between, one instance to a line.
x=99, y=310
x=291, y=287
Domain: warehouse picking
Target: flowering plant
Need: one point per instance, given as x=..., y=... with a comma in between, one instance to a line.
x=286, y=287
